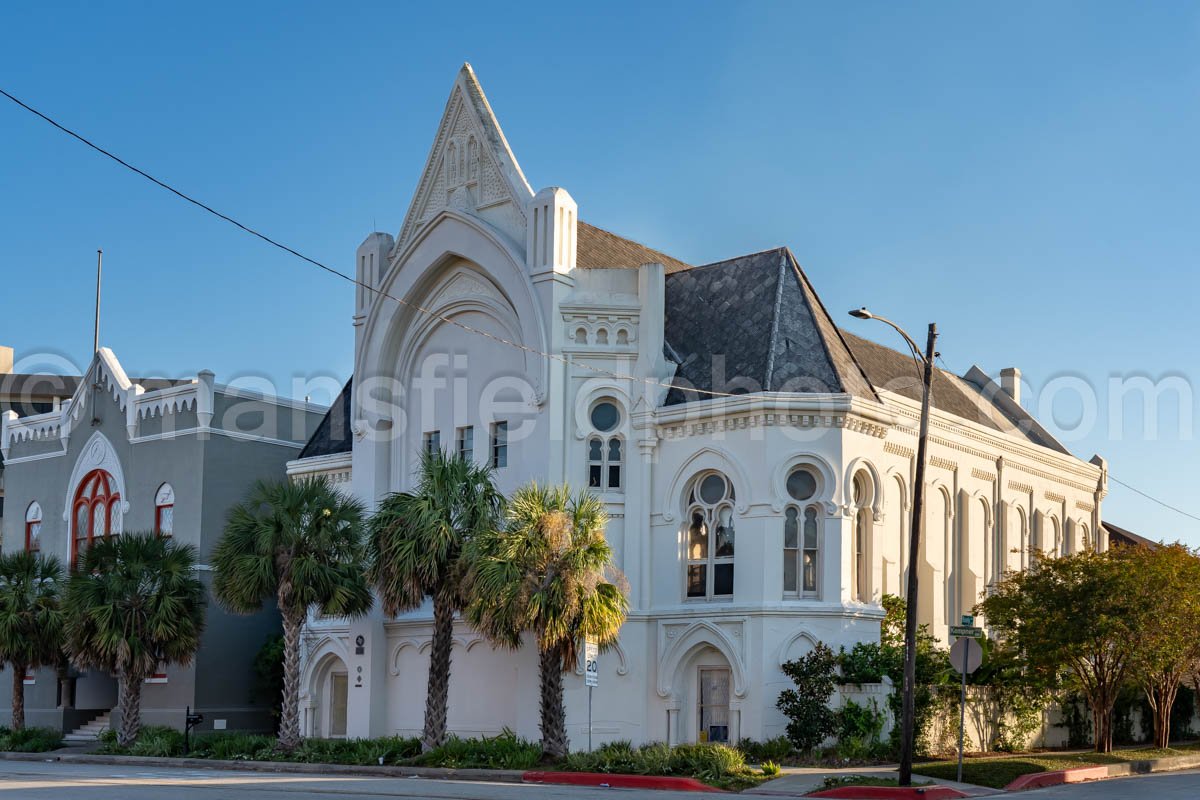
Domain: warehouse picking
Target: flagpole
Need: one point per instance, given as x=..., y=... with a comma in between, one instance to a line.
x=96, y=334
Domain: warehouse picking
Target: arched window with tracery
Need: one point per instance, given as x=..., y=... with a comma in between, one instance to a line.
x=605, y=448
x=801, y=535
x=96, y=511
x=33, y=527
x=710, y=537
x=164, y=510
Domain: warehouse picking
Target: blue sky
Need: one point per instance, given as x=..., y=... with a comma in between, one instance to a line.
x=1025, y=174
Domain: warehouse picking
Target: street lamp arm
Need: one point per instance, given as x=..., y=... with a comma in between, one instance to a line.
x=916, y=349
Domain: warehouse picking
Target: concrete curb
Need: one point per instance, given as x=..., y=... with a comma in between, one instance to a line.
x=618, y=781
x=892, y=793
x=1037, y=780
x=493, y=775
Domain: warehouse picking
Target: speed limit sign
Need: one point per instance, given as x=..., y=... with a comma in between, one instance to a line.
x=591, y=661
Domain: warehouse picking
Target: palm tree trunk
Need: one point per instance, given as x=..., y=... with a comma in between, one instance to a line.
x=129, y=702
x=554, y=716
x=289, y=712
x=18, y=697
x=437, y=694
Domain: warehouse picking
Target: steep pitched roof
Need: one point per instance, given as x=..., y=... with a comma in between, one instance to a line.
x=754, y=323
x=601, y=249
x=1121, y=536
x=896, y=372
x=333, y=434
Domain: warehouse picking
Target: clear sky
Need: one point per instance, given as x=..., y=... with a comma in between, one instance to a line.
x=1025, y=174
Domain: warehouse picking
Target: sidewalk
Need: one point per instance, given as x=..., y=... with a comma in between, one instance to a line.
x=799, y=781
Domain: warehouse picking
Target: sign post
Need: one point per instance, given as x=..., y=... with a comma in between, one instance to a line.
x=591, y=677
x=965, y=656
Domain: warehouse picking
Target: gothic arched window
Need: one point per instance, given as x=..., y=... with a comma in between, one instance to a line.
x=164, y=510
x=801, y=536
x=96, y=511
x=710, y=537
x=33, y=527
x=860, y=588
x=605, y=448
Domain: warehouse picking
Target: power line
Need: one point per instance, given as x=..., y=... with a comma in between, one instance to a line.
x=343, y=275
x=351, y=279
x=1153, y=499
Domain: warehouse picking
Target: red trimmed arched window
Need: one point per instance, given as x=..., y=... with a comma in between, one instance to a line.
x=96, y=512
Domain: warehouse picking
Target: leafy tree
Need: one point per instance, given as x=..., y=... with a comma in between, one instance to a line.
x=300, y=544
x=549, y=571
x=1168, y=629
x=133, y=602
x=1077, y=614
x=417, y=541
x=31, y=619
x=810, y=719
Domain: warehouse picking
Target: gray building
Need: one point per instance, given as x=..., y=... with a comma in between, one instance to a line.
x=120, y=457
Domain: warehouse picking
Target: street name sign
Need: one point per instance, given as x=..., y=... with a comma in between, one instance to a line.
x=966, y=631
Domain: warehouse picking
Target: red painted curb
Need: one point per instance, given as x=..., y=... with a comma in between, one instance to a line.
x=892, y=793
x=1036, y=780
x=619, y=781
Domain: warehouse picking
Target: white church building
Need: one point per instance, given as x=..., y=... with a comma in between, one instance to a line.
x=755, y=458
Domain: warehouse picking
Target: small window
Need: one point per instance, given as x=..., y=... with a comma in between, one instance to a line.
x=33, y=528
x=605, y=416
x=499, y=444
x=433, y=441
x=801, y=485
x=466, y=443
x=164, y=511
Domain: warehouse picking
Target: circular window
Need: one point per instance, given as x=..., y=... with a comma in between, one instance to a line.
x=605, y=416
x=801, y=484
x=712, y=489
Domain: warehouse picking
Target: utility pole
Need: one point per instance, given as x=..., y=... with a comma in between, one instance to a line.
x=908, y=710
x=908, y=715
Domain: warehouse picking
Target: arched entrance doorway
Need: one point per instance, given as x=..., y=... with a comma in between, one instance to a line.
x=330, y=688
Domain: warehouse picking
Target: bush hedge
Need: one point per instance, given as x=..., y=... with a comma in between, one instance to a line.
x=30, y=740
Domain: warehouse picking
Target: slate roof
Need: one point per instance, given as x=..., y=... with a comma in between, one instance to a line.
x=333, y=434
x=599, y=249
x=893, y=371
x=752, y=324
x=1121, y=536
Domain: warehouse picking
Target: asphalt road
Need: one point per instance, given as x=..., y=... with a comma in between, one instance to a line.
x=24, y=780
x=1163, y=786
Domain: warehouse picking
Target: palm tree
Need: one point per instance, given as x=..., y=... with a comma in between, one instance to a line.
x=301, y=545
x=548, y=571
x=133, y=602
x=417, y=544
x=31, y=619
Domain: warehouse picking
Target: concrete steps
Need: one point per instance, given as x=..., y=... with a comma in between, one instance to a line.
x=89, y=732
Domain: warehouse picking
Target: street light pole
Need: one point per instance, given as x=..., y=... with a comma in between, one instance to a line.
x=908, y=712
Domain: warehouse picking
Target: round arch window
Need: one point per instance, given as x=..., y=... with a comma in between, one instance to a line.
x=801, y=484
x=605, y=416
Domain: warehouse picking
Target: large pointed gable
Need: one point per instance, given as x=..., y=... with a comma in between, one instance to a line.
x=751, y=324
x=470, y=167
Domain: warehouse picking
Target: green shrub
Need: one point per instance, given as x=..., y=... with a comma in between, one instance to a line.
x=770, y=769
x=776, y=749
x=505, y=751
x=158, y=741
x=268, y=675
x=708, y=762
x=860, y=731
x=236, y=747
x=389, y=750
x=810, y=719
x=30, y=740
